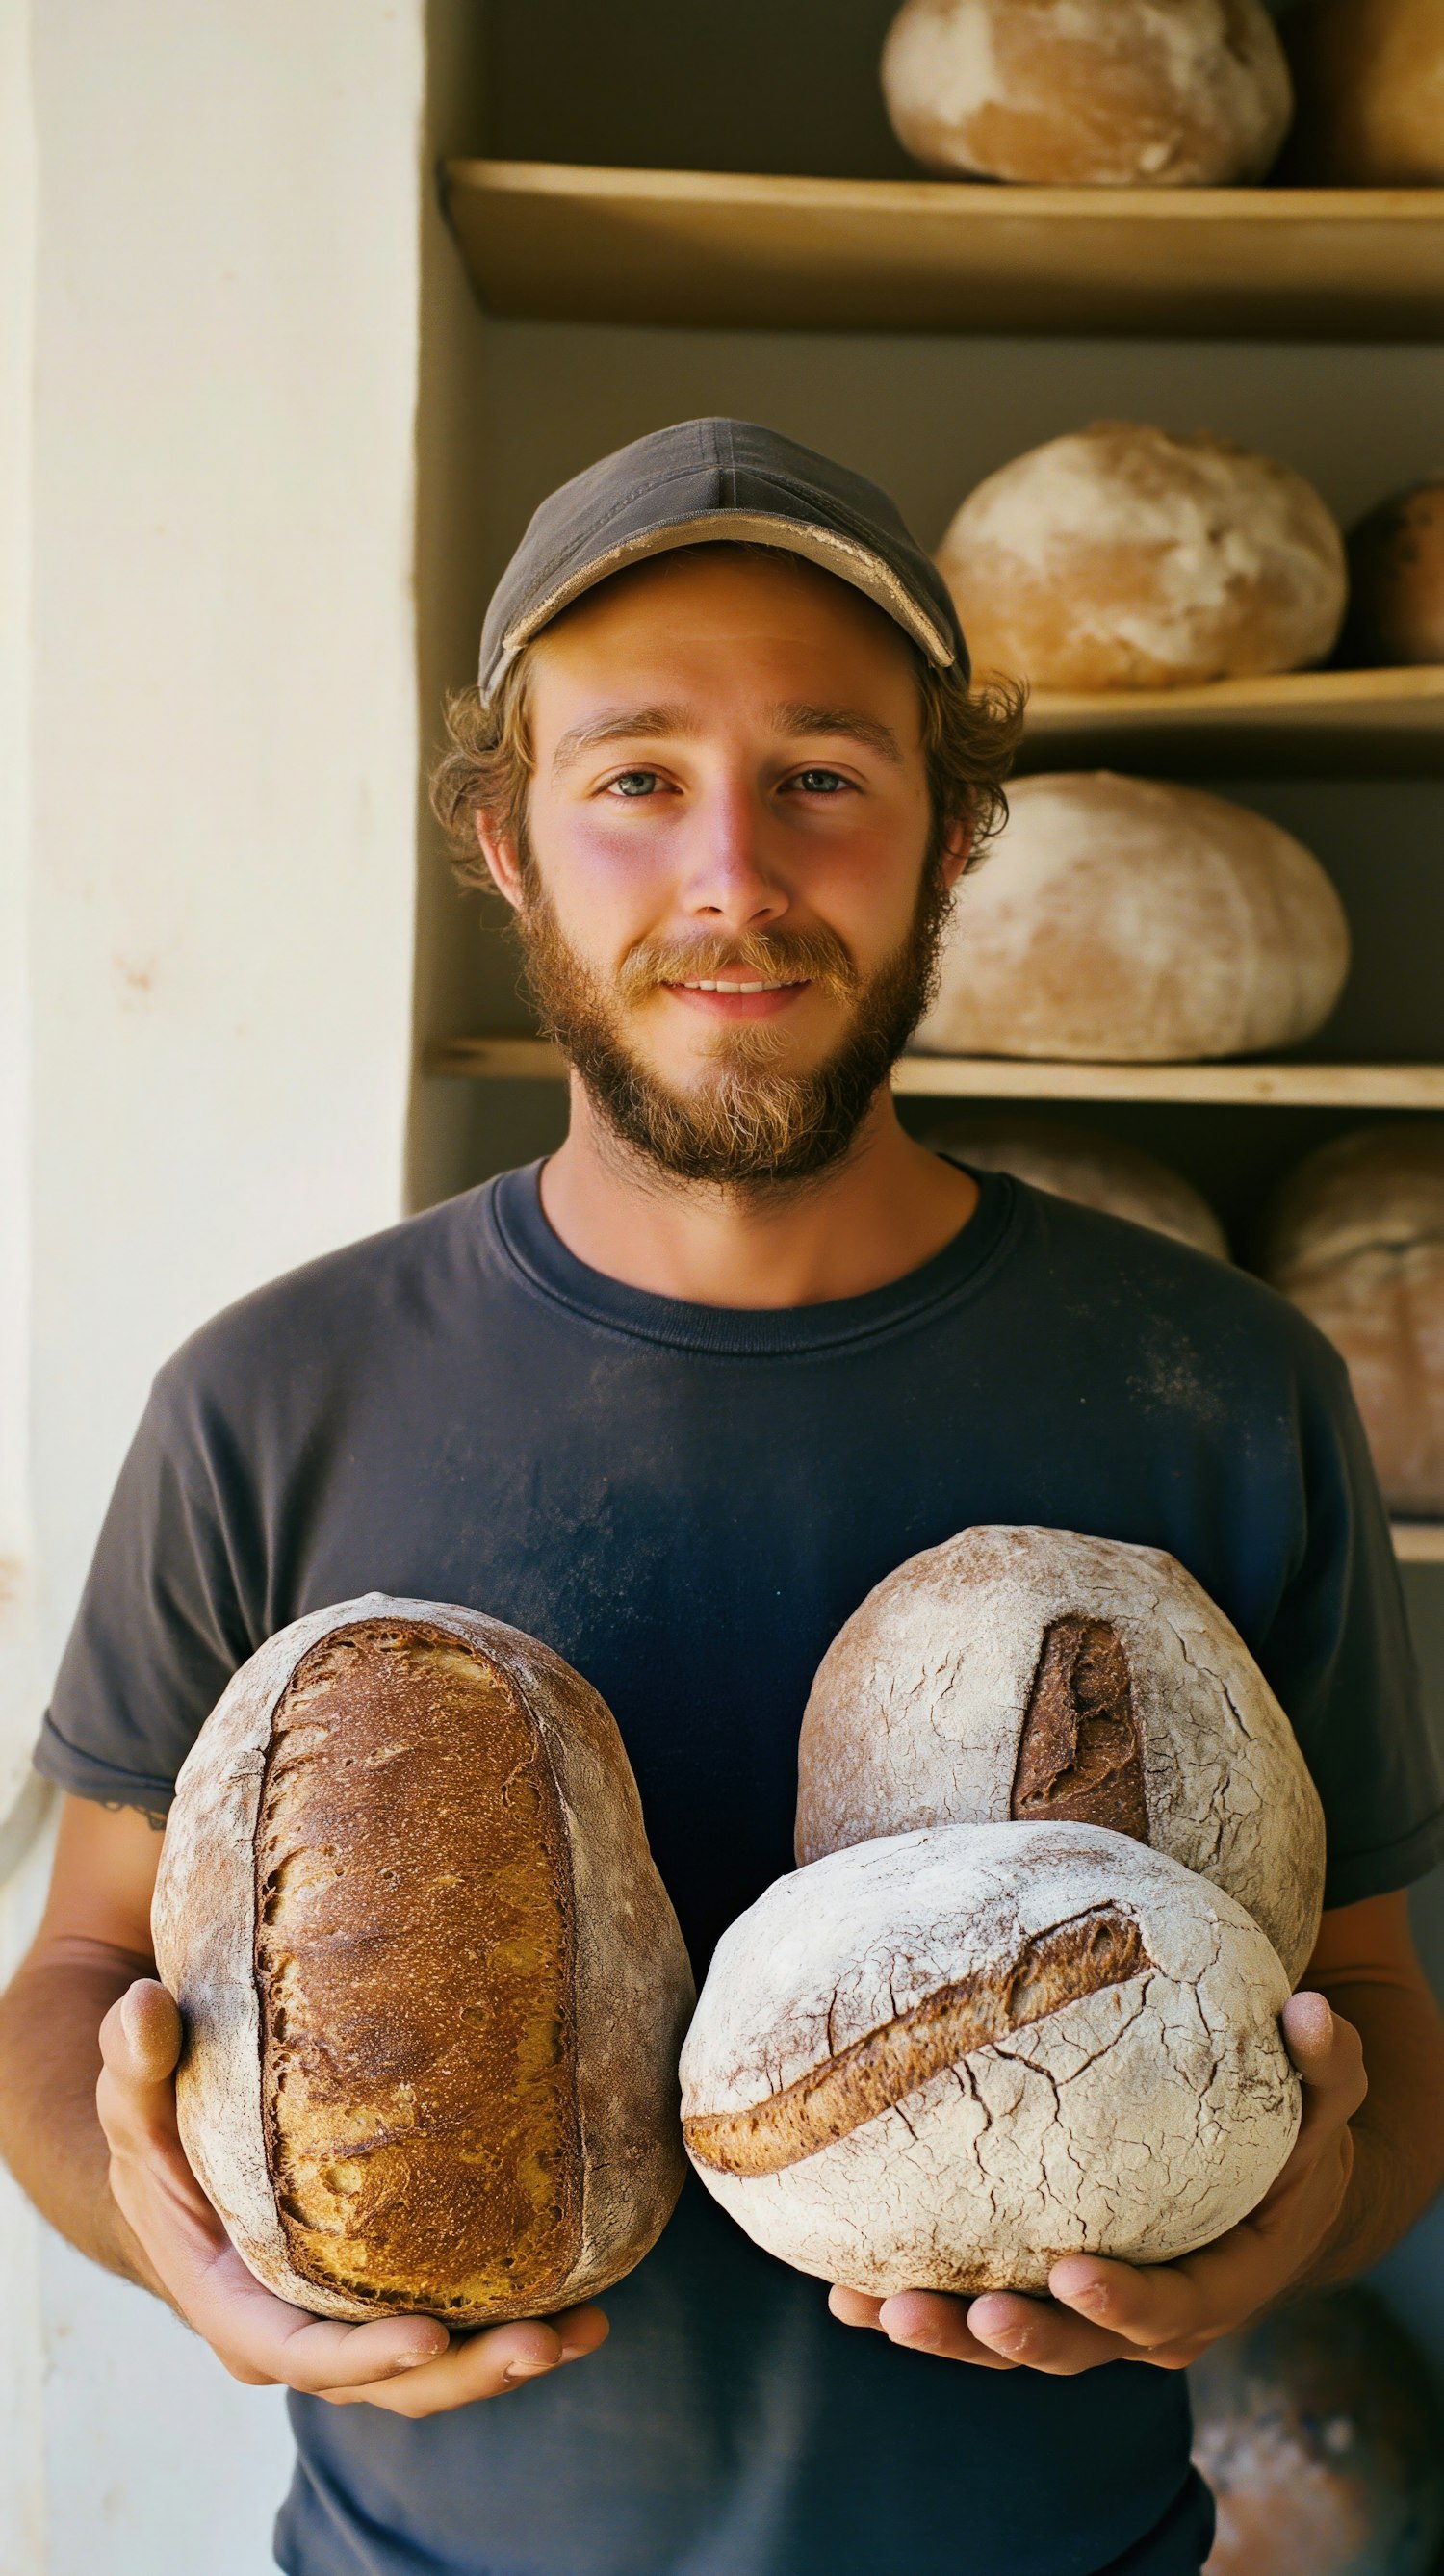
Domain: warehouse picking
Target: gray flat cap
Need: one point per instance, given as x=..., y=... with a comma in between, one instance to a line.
x=699, y=481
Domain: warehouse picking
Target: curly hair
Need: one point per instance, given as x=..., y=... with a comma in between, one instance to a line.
x=970, y=739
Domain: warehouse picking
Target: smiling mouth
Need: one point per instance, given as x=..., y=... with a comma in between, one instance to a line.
x=721, y=984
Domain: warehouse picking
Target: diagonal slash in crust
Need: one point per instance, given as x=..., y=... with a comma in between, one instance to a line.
x=1098, y=1948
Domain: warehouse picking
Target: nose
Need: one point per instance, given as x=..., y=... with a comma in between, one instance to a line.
x=728, y=883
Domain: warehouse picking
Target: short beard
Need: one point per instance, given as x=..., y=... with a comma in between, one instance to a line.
x=750, y=1127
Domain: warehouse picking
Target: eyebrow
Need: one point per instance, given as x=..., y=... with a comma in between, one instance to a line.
x=655, y=724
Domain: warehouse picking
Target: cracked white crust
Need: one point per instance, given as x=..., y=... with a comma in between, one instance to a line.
x=1140, y=2122
x=1110, y=93
x=632, y=1980
x=919, y=1704
x=1120, y=920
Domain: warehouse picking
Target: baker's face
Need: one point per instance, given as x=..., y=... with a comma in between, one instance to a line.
x=731, y=877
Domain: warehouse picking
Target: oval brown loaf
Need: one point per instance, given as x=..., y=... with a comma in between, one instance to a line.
x=1396, y=581
x=1369, y=77
x=1120, y=557
x=1044, y=1676
x=1356, y=1239
x=432, y=1987
x=1089, y=93
x=944, y=2059
x=1117, y=920
x=1082, y=1164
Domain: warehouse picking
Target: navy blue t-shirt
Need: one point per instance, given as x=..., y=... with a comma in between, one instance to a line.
x=687, y=1502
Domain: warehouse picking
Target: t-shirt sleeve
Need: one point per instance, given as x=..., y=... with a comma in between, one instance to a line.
x=1340, y=1658
x=162, y=1624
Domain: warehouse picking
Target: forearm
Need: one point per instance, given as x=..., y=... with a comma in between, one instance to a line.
x=1398, y=2135
x=50, y=2135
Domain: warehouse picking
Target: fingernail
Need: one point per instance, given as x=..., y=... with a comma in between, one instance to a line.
x=413, y=2360
x=527, y=2369
x=573, y=2351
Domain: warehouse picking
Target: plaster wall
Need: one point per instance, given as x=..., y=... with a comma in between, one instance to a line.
x=209, y=282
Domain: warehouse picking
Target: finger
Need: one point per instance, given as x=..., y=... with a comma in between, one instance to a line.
x=1035, y=2334
x=853, y=2307
x=1148, y=2307
x=486, y=2365
x=1328, y=2054
x=140, y=2041
x=262, y=2338
x=930, y=2321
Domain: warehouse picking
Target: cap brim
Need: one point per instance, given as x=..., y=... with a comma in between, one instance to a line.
x=851, y=562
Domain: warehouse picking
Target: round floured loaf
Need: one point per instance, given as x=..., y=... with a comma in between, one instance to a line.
x=943, y=2060
x=1396, y=582
x=1369, y=76
x=1082, y=1164
x=1045, y=1677
x=1356, y=1239
x=1117, y=920
x=1089, y=93
x=1119, y=557
x=433, y=1990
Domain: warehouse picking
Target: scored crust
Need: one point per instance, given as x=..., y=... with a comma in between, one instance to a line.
x=1138, y=2115
x=1060, y=1966
x=919, y=1715
x=616, y=1949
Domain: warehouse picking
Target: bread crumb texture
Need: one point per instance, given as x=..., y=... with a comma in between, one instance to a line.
x=414, y=1955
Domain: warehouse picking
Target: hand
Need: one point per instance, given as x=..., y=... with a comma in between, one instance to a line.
x=1163, y=2313
x=408, y=2365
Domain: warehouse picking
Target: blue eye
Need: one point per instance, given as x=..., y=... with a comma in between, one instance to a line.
x=820, y=782
x=635, y=782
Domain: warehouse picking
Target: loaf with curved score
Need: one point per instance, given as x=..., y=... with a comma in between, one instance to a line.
x=944, y=2059
x=432, y=1988
x=1048, y=1677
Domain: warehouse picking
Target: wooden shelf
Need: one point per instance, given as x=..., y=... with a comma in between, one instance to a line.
x=1319, y=723
x=1419, y=1542
x=557, y=241
x=990, y=1077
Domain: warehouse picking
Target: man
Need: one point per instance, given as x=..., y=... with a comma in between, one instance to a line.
x=674, y=1402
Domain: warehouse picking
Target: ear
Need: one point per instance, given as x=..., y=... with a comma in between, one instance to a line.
x=957, y=849
x=502, y=864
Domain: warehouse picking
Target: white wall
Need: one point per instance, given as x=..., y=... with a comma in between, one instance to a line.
x=209, y=272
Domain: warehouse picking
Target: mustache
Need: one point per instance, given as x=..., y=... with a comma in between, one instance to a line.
x=790, y=957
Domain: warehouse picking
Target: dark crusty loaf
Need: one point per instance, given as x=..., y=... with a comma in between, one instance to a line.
x=433, y=1988
x=1048, y=1677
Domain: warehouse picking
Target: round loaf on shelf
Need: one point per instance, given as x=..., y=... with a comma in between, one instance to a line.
x=1117, y=920
x=1369, y=79
x=1396, y=581
x=1043, y=1676
x=1121, y=557
x=432, y=1988
x=1356, y=1239
x=1084, y=1164
x=943, y=2060
x=1089, y=93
